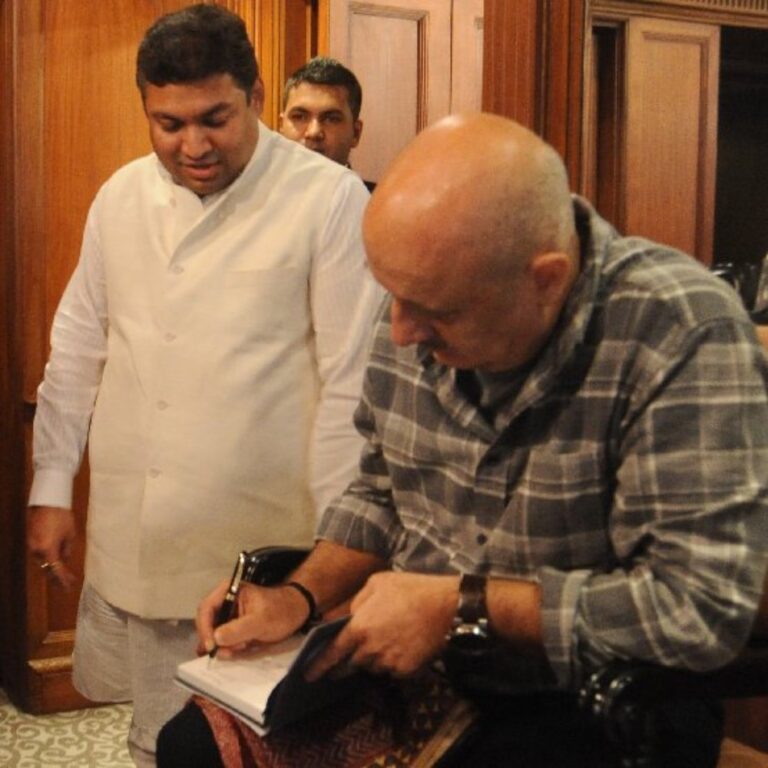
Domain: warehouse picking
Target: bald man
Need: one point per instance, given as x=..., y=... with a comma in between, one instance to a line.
x=566, y=458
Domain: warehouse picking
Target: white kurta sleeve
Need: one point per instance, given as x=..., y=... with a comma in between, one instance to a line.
x=344, y=299
x=72, y=376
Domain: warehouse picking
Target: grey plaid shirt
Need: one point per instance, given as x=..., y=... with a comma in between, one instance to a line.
x=627, y=476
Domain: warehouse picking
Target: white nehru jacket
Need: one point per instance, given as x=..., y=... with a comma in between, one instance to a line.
x=224, y=346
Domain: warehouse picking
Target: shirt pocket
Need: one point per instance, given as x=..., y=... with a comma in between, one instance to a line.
x=264, y=303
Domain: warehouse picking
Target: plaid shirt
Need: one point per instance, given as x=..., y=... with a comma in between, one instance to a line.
x=627, y=475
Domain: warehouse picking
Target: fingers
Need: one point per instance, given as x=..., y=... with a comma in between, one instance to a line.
x=236, y=635
x=264, y=615
x=50, y=533
x=347, y=653
x=206, y=615
x=58, y=572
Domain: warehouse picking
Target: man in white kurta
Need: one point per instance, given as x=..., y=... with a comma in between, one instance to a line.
x=210, y=345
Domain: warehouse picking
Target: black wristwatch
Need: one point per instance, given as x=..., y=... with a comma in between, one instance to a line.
x=470, y=630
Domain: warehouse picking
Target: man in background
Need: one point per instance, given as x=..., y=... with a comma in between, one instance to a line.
x=210, y=347
x=321, y=109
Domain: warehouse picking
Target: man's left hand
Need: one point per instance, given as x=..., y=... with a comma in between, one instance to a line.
x=398, y=624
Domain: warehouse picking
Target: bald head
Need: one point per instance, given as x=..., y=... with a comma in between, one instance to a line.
x=479, y=178
x=475, y=200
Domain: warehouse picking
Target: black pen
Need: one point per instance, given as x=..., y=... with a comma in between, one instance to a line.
x=229, y=606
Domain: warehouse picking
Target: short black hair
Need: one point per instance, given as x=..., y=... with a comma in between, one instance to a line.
x=323, y=70
x=193, y=44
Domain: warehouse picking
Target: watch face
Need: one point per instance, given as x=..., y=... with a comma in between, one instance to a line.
x=470, y=643
x=469, y=638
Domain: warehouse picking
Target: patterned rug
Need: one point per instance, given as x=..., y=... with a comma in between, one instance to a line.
x=85, y=738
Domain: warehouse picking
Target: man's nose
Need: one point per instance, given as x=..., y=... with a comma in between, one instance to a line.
x=314, y=129
x=407, y=329
x=195, y=142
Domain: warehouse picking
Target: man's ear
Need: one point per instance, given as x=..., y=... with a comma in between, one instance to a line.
x=552, y=274
x=357, y=128
x=257, y=96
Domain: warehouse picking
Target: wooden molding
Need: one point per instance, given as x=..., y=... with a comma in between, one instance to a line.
x=511, y=55
x=52, y=665
x=563, y=89
x=323, y=16
x=745, y=13
x=532, y=69
x=743, y=7
x=29, y=204
x=50, y=687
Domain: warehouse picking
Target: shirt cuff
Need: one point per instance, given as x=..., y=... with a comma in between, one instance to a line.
x=51, y=488
x=560, y=593
x=345, y=527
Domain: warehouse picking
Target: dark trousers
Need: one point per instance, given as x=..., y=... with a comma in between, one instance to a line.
x=550, y=731
x=540, y=731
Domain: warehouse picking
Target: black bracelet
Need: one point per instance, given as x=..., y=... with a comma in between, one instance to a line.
x=314, y=617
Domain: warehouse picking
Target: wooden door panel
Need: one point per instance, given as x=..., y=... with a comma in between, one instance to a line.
x=400, y=51
x=467, y=56
x=385, y=49
x=671, y=132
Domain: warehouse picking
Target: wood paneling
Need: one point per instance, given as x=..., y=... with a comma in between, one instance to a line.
x=417, y=61
x=671, y=132
x=746, y=720
x=532, y=73
x=467, y=56
x=512, y=56
x=745, y=7
x=68, y=69
x=562, y=84
x=400, y=51
x=721, y=12
x=11, y=458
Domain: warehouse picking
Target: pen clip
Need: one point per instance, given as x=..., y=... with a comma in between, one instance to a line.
x=237, y=575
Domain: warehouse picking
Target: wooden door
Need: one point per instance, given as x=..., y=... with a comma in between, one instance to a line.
x=78, y=117
x=671, y=132
x=417, y=61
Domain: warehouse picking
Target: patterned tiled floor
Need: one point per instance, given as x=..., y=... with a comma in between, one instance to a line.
x=86, y=738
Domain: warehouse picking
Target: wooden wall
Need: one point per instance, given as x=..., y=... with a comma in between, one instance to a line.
x=74, y=120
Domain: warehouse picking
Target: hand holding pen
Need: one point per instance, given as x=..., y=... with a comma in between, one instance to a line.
x=261, y=613
x=228, y=607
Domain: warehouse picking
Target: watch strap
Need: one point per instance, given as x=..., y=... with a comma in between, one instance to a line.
x=472, y=607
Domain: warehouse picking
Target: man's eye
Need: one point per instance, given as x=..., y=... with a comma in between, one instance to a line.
x=332, y=119
x=215, y=122
x=170, y=126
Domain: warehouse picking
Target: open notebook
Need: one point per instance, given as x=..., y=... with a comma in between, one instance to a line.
x=266, y=687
